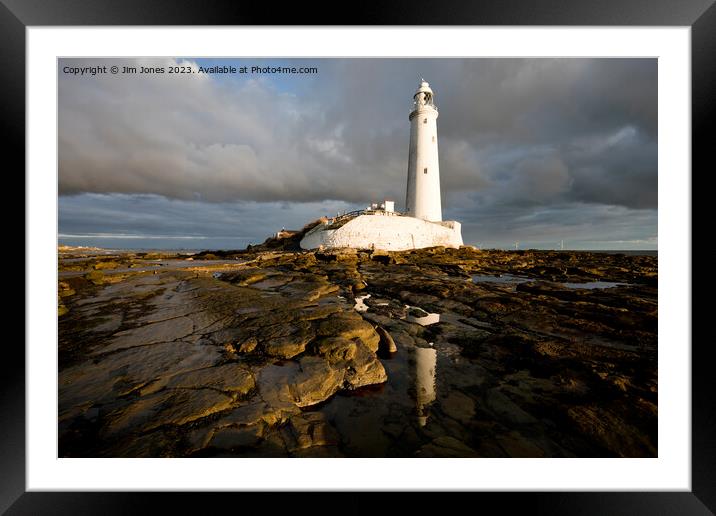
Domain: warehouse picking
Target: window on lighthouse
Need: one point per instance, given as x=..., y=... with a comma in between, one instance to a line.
x=425, y=120
x=425, y=171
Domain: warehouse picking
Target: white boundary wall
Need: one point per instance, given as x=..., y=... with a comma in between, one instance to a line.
x=389, y=233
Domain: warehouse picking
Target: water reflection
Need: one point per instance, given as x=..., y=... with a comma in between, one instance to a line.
x=360, y=305
x=513, y=280
x=425, y=320
x=420, y=316
x=425, y=359
x=425, y=367
x=502, y=278
x=595, y=284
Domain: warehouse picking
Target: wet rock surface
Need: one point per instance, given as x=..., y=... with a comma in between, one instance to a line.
x=349, y=353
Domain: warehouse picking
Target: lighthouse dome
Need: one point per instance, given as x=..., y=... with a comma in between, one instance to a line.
x=423, y=97
x=424, y=88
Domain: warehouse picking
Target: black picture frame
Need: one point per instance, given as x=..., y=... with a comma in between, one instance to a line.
x=700, y=15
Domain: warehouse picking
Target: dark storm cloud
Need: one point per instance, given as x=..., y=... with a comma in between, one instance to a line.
x=516, y=136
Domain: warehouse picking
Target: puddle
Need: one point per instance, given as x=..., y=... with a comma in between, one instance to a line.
x=511, y=279
x=372, y=420
x=425, y=320
x=409, y=410
x=420, y=316
x=503, y=278
x=415, y=314
x=360, y=305
x=594, y=284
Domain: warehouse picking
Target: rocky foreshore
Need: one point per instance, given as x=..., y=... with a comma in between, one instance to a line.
x=433, y=352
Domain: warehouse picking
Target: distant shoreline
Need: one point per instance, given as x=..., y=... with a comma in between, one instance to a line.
x=627, y=252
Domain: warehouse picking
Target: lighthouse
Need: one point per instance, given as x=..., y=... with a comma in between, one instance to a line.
x=422, y=199
x=421, y=225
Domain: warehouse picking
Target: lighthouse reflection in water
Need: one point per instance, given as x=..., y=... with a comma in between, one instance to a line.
x=425, y=364
x=425, y=360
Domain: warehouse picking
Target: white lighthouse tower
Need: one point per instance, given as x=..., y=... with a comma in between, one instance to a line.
x=422, y=199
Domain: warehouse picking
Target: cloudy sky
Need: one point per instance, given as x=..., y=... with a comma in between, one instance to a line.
x=533, y=151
